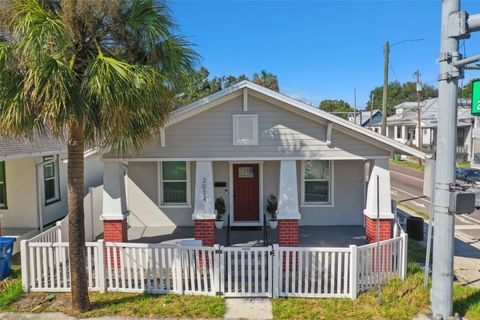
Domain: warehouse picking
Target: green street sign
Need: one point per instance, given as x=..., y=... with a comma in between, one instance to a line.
x=476, y=98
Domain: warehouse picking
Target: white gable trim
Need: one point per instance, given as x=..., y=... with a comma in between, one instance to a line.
x=237, y=90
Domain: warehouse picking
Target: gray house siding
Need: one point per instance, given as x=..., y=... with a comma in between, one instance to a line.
x=281, y=133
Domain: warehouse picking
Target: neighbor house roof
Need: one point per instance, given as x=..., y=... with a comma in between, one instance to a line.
x=11, y=148
x=203, y=104
x=406, y=113
x=363, y=118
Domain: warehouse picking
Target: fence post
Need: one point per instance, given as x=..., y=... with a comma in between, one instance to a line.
x=25, y=266
x=353, y=271
x=403, y=272
x=177, y=265
x=59, y=231
x=275, y=270
x=216, y=268
x=101, y=266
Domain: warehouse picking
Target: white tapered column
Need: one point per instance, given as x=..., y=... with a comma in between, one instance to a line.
x=288, y=213
x=204, y=210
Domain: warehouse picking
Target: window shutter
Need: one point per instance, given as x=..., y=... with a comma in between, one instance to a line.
x=245, y=129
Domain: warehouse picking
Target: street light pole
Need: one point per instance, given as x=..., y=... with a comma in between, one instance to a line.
x=386, y=57
x=385, y=87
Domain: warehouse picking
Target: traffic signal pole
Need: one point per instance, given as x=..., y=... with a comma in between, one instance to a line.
x=441, y=295
x=455, y=25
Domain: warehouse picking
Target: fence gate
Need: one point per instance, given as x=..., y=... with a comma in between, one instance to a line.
x=246, y=271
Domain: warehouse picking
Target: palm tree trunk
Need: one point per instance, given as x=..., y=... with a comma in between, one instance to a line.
x=76, y=225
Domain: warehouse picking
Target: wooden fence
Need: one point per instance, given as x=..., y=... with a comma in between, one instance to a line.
x=232, y=271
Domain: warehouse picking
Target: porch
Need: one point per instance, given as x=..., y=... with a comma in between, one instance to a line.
x=309, y=236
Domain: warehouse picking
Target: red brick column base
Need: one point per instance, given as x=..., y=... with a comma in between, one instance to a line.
x=371, y=229
x=288, y=232
x=205, y=231
x=385, y=234
x=115, y=230
x=288, y=237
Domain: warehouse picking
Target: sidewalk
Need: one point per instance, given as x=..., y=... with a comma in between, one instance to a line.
x=254, y=308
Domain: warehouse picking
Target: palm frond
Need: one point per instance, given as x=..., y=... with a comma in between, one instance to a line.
x=132, y=100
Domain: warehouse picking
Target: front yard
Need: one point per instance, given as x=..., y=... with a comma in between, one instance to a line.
x=400, y=300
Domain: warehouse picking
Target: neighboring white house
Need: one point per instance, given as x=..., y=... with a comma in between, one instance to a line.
x=245, y=143
x=33, y=183
x=403, y=126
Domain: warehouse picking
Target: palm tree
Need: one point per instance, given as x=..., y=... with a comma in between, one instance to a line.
x=266, y=79
x=104, y=72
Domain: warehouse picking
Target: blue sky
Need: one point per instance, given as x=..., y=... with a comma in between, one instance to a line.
x=319, y=49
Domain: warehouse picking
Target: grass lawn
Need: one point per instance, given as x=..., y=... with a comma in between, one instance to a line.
x=409, y=164
x=400, y=299
x=13, y=299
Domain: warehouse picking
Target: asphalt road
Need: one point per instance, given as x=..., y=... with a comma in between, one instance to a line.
x=407, y=189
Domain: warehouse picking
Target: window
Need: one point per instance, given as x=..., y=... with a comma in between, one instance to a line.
x=175, y=183
x=399, y=132
x=3, y=186
x=50, y=179
x=245, y=129
x=316, y=188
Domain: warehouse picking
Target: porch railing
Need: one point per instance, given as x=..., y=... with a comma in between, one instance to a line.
x=53, y=234
x=270, y=271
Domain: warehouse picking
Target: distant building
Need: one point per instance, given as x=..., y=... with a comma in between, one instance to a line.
x=403, y=126
x=363, y=118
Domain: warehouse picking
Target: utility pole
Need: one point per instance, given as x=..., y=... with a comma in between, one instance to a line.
x=385, y=87
x=371, y=113
x=355, y=106
x=455, y=25
x=419, y=120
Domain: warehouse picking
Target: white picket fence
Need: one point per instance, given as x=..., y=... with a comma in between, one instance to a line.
x=232, y=271
x=53, y=234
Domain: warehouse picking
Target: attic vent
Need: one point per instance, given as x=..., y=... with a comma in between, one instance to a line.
x=245, y=129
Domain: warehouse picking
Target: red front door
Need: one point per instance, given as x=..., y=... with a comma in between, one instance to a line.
x=246, y=192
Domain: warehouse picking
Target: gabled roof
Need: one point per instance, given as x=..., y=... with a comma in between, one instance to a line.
x=194, y=108
x=363, y=118
x=11, y=148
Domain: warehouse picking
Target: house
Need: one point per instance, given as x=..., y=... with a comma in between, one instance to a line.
x=243, y=144
x=363, y=118
x=402, y=126
x=33, y=183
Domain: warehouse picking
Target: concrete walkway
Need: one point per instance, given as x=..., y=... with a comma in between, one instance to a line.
x=253, y=308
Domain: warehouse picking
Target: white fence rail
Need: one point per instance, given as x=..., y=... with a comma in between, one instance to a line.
x=53, y=234
x=232, y=271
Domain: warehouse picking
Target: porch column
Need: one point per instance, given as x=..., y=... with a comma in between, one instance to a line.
x=114, y=209
x=288, y=214
x=395, y=132
x=204, y=211
x=404, y=134
x=379, y=170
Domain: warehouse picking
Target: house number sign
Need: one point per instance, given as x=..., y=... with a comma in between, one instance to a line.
x=204, y=189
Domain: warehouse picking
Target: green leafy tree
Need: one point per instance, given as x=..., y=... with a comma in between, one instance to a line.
x=198, y=85
x=398, y=93
x=267, y=80
x=104, y=72
x=336, y=106
x=466, y=90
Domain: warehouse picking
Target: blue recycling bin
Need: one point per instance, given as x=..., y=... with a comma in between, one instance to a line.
x=6, y=250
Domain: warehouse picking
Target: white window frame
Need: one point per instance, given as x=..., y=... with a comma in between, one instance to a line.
x=331, y=196
x=56, y=178
x=236, y=141
x=161, y=204
x=4, y=183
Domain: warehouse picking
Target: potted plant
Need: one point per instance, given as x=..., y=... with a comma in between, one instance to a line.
x=272, y=206
x=219, y=212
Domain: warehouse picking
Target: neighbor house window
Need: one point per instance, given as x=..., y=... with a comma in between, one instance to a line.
x=50, y=179
x=3, y=186
x=175, y=182
x=316, y=188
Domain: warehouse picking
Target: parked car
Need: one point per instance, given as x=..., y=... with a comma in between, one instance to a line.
x=468, y=175
x=476, y=190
